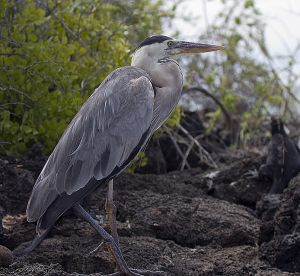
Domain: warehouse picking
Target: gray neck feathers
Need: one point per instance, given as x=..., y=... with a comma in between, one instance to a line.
x=167, y=80
x=168, y=93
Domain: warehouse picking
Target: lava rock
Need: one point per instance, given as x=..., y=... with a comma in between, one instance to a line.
x=1, y=227
x=206, y=220
x=266, y=207
x=6, y=257
x=283, y=249
x=1, y=217
x=238, y=182
x=16, y=186
x=165, y=222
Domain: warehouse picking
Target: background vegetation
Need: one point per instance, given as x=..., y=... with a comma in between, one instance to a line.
x=54, y=53
x=244, y=78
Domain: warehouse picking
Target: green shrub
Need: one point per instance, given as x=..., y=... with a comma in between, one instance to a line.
x=53, y=54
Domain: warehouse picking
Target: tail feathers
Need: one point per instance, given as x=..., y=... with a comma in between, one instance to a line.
x=52, y=214
x=42, y=196
x=63, y=203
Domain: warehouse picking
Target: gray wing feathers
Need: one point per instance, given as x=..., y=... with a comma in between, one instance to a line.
x=101, y=137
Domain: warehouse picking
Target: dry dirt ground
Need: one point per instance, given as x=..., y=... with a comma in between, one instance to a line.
x=182, y=223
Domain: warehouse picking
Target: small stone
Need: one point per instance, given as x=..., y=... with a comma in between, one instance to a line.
x=6, y=257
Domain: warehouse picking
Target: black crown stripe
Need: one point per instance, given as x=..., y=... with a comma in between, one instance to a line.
x=153, y=39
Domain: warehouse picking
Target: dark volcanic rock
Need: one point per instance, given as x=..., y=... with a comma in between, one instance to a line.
x=6, y=257
x=1, y=217
x=283, y=249
x=16, y=184
x=205, y=220
x=266, y=208
x=72, y=255
x=166, y=222
x=238, y=182
x=25, y=269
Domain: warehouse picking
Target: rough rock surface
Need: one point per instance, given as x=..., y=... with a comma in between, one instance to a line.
x=1, y=217
x=182, y=223
x=280, y=233
x=6, y=257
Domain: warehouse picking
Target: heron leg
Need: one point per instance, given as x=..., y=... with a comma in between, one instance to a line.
x=111, y=212
x=34, y=244
x=115, y=249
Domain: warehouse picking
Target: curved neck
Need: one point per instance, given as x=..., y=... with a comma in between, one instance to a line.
x=164, y=72
x=167, y=80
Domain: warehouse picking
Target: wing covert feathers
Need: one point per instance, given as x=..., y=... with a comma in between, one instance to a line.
x=101, y=137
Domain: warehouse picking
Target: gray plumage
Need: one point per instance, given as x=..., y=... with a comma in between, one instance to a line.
x=100, y=137
x=111, y=128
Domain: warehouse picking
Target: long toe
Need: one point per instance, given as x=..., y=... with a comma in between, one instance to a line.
x=148, y=272
x=139, y=272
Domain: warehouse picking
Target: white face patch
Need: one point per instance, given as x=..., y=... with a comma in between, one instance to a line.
x=149, y=54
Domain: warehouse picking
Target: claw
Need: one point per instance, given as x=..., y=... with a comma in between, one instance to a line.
x=97, y=248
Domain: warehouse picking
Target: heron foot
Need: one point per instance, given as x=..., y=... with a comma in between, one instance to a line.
x=96, y=248
x=138, y=272
x=108, y=239
x=35, y=243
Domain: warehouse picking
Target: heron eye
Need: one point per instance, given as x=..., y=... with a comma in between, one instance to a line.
x=170, y=43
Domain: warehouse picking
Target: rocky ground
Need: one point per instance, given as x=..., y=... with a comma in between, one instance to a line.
x=218, y=222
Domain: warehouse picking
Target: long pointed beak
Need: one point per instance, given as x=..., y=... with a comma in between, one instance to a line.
x=183, y=47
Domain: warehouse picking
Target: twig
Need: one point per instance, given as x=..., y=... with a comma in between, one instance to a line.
x=15, y=103
x=4, y=143
x=177, y=146
x=203, y=153
x=184, y=159
x=14, y=54
x=74, y=36
x=215, y=99
x=11, y=88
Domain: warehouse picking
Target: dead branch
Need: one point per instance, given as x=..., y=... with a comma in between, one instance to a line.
x=184, y=160
x=203, y=154
x=14, y=54
x=214, y=98
x=174, y=141
x=11, y=88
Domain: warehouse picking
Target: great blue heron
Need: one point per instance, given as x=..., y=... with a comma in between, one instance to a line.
x=107, y=133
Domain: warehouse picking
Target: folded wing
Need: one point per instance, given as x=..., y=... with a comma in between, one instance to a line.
x=112, y=125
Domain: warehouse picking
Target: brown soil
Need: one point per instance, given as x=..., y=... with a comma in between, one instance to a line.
x=182, y=223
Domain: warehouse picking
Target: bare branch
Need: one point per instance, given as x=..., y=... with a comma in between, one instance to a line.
x=186, y=155
x=11, y=88
x=15, y=103
x=205, y=156
x=177, y=146
x=14, y=54
x=215, y=99
x=4, y=143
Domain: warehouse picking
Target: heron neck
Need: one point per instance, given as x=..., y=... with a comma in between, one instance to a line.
x=167, y=80
x=164, y=72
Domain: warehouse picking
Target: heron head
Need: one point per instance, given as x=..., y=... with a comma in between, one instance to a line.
x=159, y=47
